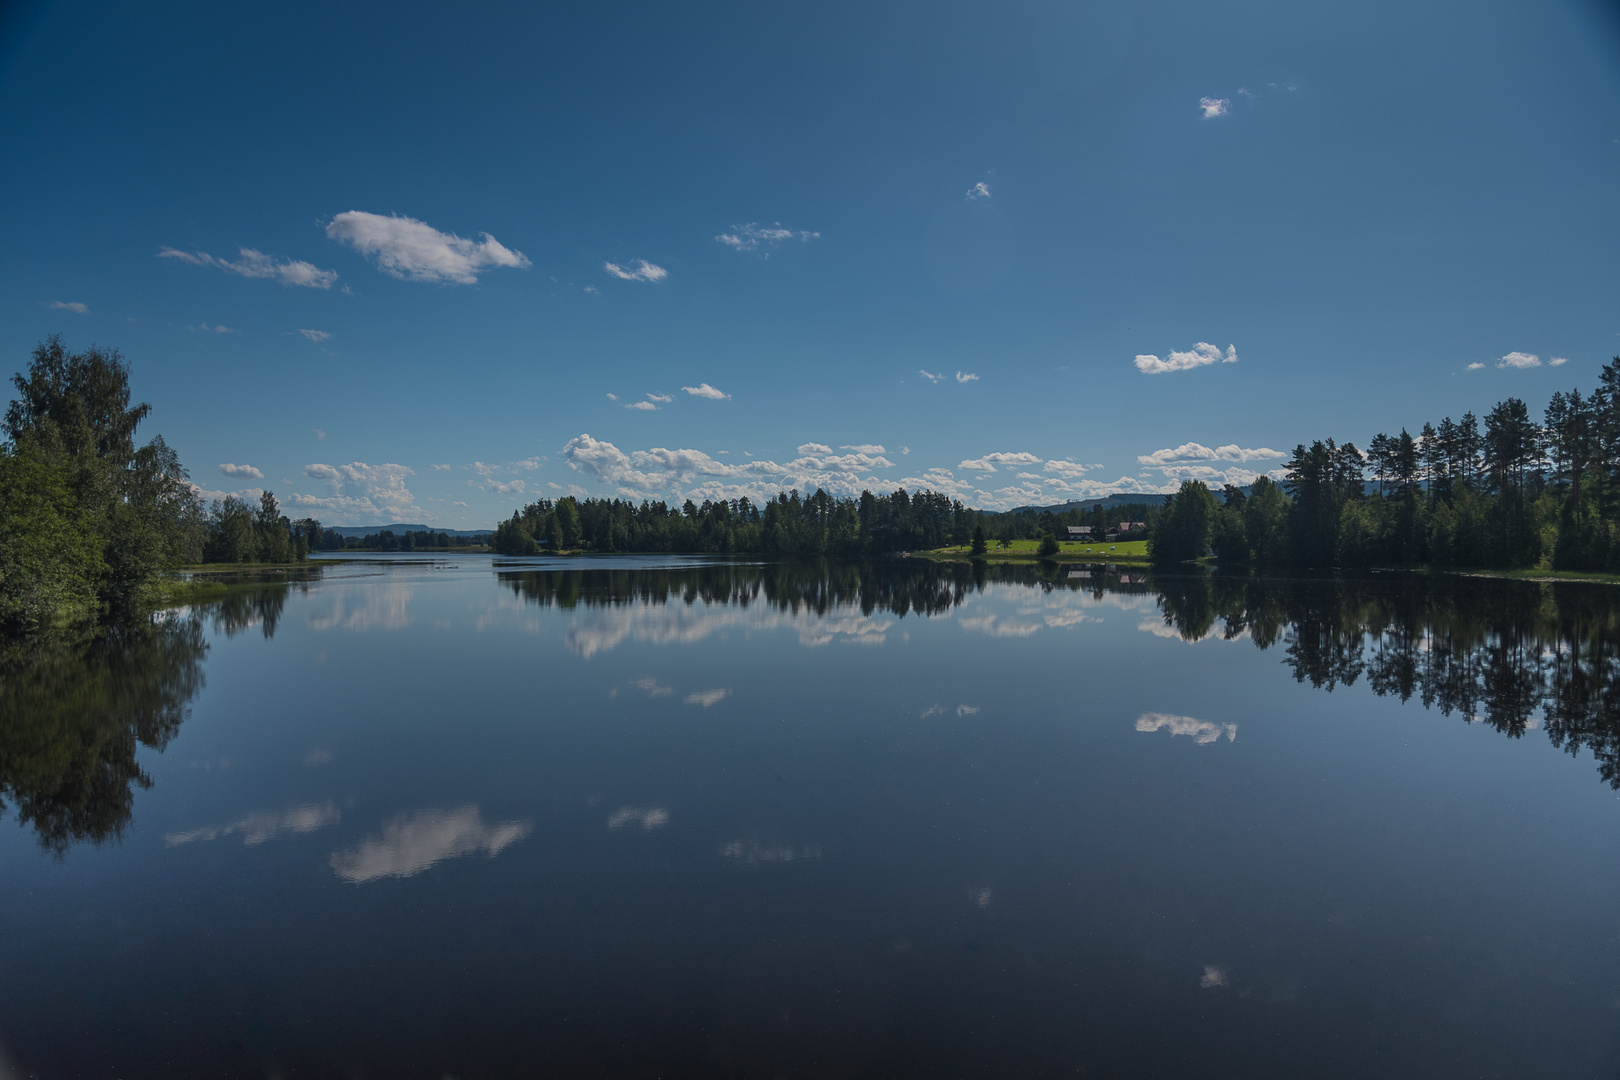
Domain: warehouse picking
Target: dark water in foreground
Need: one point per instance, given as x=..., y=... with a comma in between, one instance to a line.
x=653, y=818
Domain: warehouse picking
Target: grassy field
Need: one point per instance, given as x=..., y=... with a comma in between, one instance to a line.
x=1118, y=551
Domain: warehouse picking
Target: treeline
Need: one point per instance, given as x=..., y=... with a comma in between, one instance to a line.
x=790, y=524
x=1510, y=493
x=388, y=540
x=91, y=517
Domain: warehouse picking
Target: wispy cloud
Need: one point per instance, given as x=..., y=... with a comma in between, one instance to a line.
x=440, y=468
x=411, y=843
x=662, y=399
x=1214, y=106
x=404, y=247
x=642, y=406
x=966, y=376
x=981, y=190
x=1069, y=470
x=930, y=376
x=316, y=335
x=989, y=462
x=1199, y=355
x=1557, y=361
x=753, y=236
x=256, y=264
x=643, y=271
x=265, y=825
x=863, y=448
x=69, y=305
x=705, y=698
x=704, y=390
x=241, y=472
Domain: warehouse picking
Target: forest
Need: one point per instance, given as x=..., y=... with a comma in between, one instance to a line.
x=1513, y=493
x=790, y=524
x=94, y=519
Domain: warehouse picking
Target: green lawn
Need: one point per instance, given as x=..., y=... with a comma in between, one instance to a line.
x=1119, y=550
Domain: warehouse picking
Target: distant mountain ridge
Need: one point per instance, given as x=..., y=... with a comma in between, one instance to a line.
x=1107, y=502
x=347, y=531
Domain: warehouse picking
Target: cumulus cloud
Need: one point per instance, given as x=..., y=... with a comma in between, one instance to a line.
x=966, y=376
x=1194, y=453
x=1199, y=355
x=511, y=487
x=1475, y=366
x=1557, y=361
x=642, y=406
x=414, y=250
x=929, y=375
x=814, y=448
x=704, y=390
x=440, y=468
x=661, y=398
x=1069, y=470
x=361, y=490
x=981, y=190
x=256, y=264
x=1519, y=360
x=1214, y=107
x=753, y=236
x=411, y=843
x=643, y=271
x=989, y=462
x=861, y=448
x=240, y=472
x=1201, y=731
x=70, y=305
x=316, y=335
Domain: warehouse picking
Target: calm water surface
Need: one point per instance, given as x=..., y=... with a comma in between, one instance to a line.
x=456, y=817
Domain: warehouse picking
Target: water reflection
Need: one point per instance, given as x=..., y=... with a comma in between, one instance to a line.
x=75, y=709
x=411, y=843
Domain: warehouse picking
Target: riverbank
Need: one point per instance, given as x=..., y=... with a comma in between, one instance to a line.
x=1130, y=552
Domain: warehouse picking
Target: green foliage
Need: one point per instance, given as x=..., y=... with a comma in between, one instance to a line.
x=979, y=545
x=1049, y=546
x=1181, y=528
x=93, y=516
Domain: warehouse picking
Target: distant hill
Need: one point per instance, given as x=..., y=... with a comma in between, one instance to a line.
x=1107, y=503
x=371, y=530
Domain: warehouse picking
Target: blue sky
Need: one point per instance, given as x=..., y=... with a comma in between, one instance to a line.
x=429, y=262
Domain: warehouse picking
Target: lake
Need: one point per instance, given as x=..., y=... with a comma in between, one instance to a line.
x=658, y=816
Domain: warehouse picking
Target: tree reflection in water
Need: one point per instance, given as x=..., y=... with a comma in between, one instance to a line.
x=1513, y=654
x=74, y=710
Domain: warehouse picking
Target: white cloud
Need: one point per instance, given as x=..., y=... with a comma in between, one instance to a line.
x=361, y=490
x=414, y=250
x=70, y=305
x=663, y=398
x=981, y=190
x=459, y=503
x=411, y=843
x=239, y=472
x=705, y=698
x=1475, y=366
x=814, y=448
x=704, y=390
x=1068, y=470
x=1199, y=355
x=316, y=335
x=989, y=462
x=860, y=448
x=205, y=328
x=440, y=468
x=644, y=271
x=642, y=406
x=1214, y=107
x=513, y=487
x=613, y=397
x=966, y=376
x=929, y=375
x=1201, y=731
x=753, y=235
x=1519, y=360
x=995, y=626
x=1557, y=361
x=256, y=264
x=967, y=710
x=1192, y=453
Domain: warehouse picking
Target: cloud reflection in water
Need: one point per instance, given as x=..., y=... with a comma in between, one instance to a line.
x=412, y=842
x=1202, y=731
x=257, y=828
